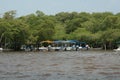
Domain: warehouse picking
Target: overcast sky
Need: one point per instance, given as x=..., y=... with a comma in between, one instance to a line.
x=25, y=7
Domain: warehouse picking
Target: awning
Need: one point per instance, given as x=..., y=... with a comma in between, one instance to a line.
x=47, y=41
x=63, y=41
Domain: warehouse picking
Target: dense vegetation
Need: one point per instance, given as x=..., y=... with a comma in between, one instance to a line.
x=97, y=29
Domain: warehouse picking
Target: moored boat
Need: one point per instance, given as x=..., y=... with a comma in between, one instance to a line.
x=118, y=49
x=1, y=49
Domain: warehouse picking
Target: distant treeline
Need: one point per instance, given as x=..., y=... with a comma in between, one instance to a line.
x=96, y=29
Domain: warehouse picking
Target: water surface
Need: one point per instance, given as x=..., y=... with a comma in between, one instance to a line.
x=68, y=65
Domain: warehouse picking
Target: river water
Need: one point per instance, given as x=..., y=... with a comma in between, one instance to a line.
x=65, y=65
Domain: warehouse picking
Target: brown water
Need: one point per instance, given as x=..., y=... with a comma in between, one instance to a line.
x=81, y=65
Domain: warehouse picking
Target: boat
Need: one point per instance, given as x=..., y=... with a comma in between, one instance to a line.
x=43, y=48
x=1, y=49
x=118, y=49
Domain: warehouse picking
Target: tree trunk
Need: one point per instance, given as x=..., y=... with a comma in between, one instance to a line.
x=105, y=48
x=1, y=38
x=110, y=44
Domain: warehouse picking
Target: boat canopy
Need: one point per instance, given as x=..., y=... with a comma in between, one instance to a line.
x=63, y=41
x=47, y=41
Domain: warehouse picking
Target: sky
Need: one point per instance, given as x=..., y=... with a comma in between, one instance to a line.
x=52, y=7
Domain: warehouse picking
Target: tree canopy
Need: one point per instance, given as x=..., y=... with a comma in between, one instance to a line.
x=101, y=29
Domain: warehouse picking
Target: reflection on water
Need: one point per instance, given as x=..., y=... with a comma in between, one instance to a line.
x=81, y=65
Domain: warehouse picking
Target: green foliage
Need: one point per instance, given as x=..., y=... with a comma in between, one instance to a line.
x=111, y=22
x=4, y=31
x=9, y=15
x=73, y=25
x=101, y=29
x=59, y=32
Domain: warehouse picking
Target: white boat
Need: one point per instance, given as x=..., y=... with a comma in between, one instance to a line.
x=43, y=48
x=1, y=49
x=118, y=49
